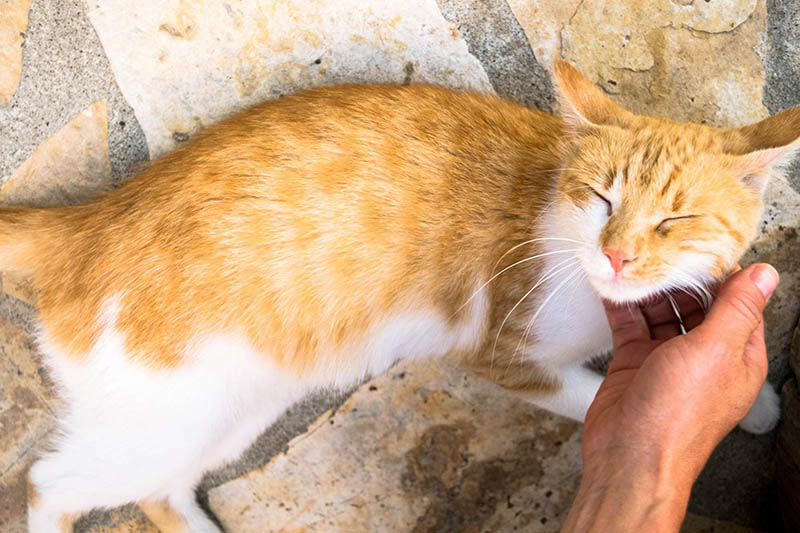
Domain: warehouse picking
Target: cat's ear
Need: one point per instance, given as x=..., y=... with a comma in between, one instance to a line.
x=584, y=105
x=766, y=147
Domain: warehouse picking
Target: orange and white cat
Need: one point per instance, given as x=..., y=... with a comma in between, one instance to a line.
x=315, y=240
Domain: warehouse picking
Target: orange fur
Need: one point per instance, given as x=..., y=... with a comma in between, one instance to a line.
x=305, y=224
x=302, y=221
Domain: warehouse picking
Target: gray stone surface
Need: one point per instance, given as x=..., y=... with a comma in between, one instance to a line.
x=495, y=37
x=64, y=70
x=185, y=66
x=780, y=54
x=432, y=461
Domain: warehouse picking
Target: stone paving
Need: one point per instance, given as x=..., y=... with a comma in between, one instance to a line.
x=88, y=89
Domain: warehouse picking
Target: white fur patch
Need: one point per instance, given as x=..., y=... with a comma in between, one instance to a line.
x=133, y=432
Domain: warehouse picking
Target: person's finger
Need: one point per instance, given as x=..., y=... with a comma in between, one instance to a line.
x=630, y=335
x=661, y=312
x=692, y=320
x=666, y=331
x=627, y=325
x=738, y=308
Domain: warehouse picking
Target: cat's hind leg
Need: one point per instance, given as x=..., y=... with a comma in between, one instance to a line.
x=132, y=433
x=765, y=413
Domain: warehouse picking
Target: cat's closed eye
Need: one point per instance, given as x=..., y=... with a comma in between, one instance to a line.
x=667, y=223
x=606, y=200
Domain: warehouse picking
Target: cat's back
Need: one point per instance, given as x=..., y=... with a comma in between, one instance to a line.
x=330, y=207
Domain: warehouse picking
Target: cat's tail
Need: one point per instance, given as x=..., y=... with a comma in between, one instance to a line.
x=21, y=230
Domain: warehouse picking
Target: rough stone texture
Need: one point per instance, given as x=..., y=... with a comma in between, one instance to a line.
x=542, y=21
x=17, y=286
x=415, y=449
x=26, y=418
x=495, y=37
x=64, y=71
x=701, y=70
x=787, y=456
x=781, y=57
x=69, y=168
x=779, y=245
x=183, y=66
x=13, y=21
x=686, y=60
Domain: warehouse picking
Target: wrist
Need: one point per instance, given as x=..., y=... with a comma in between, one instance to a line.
x=630, y=495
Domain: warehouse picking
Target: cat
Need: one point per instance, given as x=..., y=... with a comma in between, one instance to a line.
x=315, y=240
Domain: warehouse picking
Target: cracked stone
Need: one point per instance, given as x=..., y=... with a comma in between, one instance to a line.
x=185, y=65
x=68, y=168
x=25, y=419
x=13, y=22
x=432, y=462
x=692, y=61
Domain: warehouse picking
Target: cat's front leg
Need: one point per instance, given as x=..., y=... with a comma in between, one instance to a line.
x=564, y=390
x=574, y=391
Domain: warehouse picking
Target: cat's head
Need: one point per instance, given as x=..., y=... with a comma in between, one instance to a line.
x=655, y=204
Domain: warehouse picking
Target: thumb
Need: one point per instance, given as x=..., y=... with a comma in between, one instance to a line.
x=737, y=311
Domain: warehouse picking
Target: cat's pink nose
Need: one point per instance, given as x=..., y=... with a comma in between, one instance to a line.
x=618, y=257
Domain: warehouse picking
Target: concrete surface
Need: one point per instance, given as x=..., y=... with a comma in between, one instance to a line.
x=65, y=69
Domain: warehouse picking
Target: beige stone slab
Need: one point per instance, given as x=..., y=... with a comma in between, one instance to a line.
x=68, y=168
x=14, y=495
x=694, y=61
x=423, y=446
x=17, y=286
x=25, y=416
x=13, y=21
x=183, y=65
x=542, y=22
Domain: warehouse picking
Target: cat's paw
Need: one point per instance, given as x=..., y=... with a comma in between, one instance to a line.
x=764, y=414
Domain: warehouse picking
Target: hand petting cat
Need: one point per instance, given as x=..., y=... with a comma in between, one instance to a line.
x=667, y=401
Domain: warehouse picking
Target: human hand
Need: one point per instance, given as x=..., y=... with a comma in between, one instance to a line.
x=668, y=400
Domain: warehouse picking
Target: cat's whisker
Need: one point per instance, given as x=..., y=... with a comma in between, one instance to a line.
x=479, y=289
x=552, y=272
x=529, y=241
x=702, y=291
x=528, y=328
x=693, y=287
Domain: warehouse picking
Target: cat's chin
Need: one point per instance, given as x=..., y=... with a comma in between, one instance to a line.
x=623, y=292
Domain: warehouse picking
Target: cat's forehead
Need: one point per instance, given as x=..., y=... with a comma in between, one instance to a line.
x=652, y=158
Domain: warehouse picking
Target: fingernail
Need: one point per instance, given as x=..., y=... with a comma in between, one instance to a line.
x=766, y=279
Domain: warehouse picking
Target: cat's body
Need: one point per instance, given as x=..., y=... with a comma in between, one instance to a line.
x=316, y=240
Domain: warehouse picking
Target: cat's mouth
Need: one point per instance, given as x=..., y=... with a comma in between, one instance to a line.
x=623, y=291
